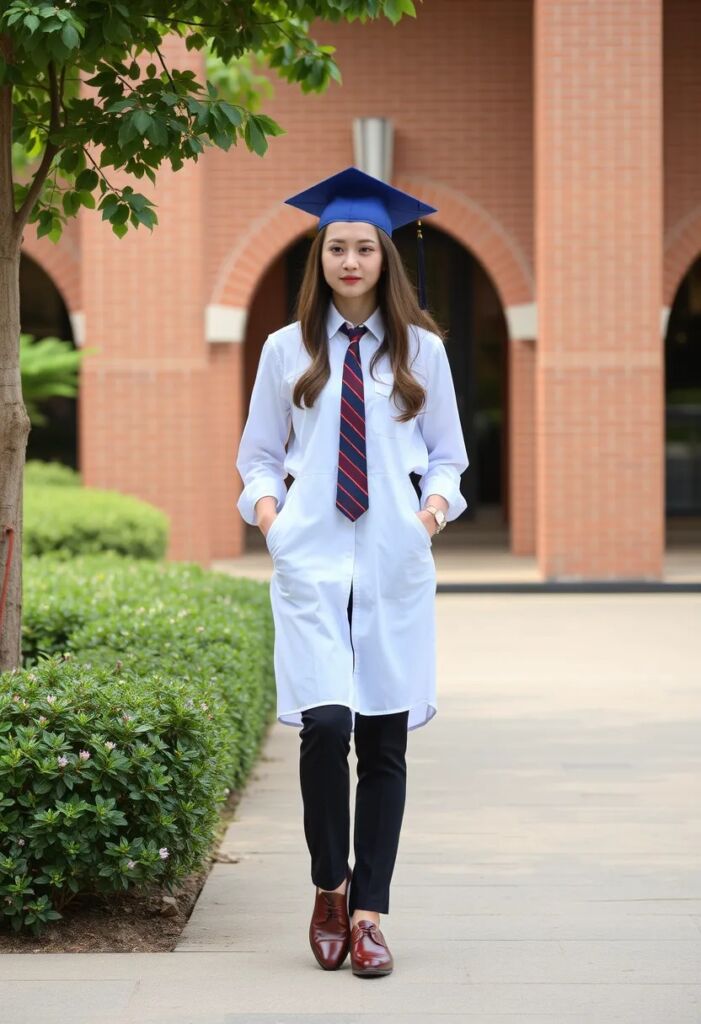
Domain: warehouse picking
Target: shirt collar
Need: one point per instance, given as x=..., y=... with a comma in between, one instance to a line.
x=375, y=322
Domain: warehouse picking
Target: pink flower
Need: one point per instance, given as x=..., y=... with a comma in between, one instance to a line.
x=110, y=745
x=163, y=852
x=131, y=864
x=63, y=760
x=84, y=755
x=50, y=698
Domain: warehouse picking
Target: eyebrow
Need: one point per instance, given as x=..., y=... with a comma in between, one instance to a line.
x=359, y=240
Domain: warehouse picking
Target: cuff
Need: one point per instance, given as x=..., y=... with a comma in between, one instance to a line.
x=246, y=503
x=447, y=484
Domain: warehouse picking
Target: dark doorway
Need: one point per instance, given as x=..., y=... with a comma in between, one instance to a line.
x=43, y=314
x=683, y=399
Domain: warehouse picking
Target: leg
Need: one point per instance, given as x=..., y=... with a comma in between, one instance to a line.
x=325, y=782
x=380, y=743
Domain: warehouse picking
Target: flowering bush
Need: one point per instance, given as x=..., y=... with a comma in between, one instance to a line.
x=118, y=747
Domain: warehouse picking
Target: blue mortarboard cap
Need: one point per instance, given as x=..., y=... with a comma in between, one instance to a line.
x=353, y=195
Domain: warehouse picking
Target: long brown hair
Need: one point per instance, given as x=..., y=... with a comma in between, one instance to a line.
x=399, y=308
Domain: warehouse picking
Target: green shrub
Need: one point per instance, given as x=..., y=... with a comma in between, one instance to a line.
x=52, y=474
x=187, y=654
x=168, y=617
x=107, y=780
x=84, y=520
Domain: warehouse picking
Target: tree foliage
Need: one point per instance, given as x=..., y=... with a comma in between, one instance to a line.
x=138, y=112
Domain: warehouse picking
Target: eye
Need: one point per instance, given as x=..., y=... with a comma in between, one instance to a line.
x=335, y=248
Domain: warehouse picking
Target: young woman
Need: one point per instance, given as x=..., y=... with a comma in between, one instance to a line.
x=349, y=400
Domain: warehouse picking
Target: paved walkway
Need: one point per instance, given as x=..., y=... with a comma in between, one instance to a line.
x=548, y=869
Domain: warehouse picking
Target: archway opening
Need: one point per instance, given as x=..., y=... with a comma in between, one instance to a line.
x=683, y=413
x=43, y=314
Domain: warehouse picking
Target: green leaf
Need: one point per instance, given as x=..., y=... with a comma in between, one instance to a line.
x=70, y=37
x=69, y=160
x=157, y=133
x=254, y=137
x=232, y=113
x=71, y=203
x=142, y=121
x=394, y=9
x=269, y=126
x=86, y=180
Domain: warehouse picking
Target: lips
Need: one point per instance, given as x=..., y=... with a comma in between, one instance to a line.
x=350, y=280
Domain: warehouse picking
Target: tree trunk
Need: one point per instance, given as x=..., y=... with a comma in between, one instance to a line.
x=14, y=420
x=14, y=431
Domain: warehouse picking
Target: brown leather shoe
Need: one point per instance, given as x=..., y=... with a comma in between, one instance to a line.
x=329, y=929
x=370, y=955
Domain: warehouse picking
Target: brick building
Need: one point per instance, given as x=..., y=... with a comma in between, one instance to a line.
x=560, y=141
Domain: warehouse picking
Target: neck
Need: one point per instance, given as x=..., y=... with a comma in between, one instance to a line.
x=356, y=310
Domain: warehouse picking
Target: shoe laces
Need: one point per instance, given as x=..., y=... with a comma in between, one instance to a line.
x=333, y=908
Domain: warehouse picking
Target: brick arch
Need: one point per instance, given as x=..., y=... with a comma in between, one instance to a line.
x=462, y=218
x=61, y=263
x=267, y=238
x=682, y=248
x=481, y=233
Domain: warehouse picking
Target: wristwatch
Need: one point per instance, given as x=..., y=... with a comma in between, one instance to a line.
x=438, y=515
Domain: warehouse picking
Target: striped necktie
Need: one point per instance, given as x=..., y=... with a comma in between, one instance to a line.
x=352, y=485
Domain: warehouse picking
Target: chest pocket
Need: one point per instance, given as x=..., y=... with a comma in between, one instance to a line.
x=383, y=410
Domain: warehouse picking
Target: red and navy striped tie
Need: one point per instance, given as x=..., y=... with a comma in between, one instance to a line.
x=352, y=485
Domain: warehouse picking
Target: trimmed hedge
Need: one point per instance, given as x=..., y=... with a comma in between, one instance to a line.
x=73, y=521
x=51, y=474
x=92, y=800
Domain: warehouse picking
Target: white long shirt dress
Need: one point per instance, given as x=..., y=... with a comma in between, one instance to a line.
x=385, y=661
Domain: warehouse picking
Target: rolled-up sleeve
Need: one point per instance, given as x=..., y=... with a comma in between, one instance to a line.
x=261, y=453
x=442, y=432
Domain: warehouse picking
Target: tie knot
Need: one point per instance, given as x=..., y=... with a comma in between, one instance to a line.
x=354, y=333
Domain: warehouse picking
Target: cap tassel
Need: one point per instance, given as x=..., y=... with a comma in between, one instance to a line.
x=420, y=267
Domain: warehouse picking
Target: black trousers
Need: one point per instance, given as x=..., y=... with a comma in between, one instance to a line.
x=380, y=745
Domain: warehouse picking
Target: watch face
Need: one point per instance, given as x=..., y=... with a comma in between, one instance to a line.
x=440, y=516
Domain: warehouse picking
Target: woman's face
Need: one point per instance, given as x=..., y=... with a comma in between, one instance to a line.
x=351, y=257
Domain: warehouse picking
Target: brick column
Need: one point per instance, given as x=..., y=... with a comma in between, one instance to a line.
x=145, y=413
x=599, y=359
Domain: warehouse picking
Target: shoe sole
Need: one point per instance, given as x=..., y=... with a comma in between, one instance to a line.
x=372, y=972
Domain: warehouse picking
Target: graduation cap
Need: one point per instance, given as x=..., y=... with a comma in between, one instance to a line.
x=353, y=195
